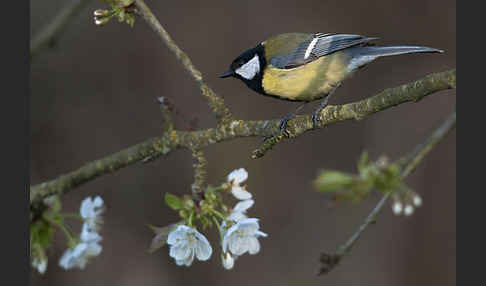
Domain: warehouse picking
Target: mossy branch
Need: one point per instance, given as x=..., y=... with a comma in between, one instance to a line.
x=176, y=139
x=408, y=164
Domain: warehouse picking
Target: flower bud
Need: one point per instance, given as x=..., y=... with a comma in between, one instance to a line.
x=101, y=13
x=228, y=260
x=417, y=201
x=101, y=21
x=408, y=211
x=397, y=208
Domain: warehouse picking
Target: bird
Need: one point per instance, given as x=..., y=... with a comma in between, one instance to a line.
x=306, y=67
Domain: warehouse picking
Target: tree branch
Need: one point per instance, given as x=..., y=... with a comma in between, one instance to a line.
x=54, y=29
x=216, y=103
x=408, y=163
x=170, y=141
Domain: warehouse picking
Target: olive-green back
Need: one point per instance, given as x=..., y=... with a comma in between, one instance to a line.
x=283, y=44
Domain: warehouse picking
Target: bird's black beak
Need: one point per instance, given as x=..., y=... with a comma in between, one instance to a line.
x=227, y=73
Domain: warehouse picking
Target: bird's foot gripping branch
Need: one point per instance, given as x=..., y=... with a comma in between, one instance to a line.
x=207, y=206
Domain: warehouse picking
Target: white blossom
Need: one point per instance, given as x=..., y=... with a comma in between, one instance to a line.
x=88, y=235
x=239, y=211
x=91, y=210
x=79, y=255
x=40, y=264
x=235, y=178
x=185, y=243
x=228, y=260
x=408, y=210
x=417, y=200
x=397, y=208
x=242, y=237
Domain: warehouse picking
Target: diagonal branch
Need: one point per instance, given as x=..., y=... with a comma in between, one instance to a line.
x=173, y=140
x=390, y=97
x=216, y=103
x=408, y=163
x=54, y=29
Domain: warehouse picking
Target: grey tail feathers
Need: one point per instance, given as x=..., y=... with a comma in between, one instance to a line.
x=362, y=55
x=394, y=50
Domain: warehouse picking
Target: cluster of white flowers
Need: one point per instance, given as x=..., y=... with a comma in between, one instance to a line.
x=398, y=207
x=242, y=236
x=78, y=256
x=239, y=233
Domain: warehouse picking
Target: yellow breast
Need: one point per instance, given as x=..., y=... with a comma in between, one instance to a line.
x=308, y=82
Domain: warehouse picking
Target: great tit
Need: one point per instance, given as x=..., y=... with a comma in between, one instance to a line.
x=307, y=67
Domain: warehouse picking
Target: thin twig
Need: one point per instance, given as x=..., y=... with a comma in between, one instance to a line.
x=216, y=103
x=166, y=109
x=416, y=157
x=53, y=30
x=199, y=174
x=409, y=163
x=170, y=141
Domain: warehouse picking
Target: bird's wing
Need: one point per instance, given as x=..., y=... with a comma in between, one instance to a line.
x=318, y=46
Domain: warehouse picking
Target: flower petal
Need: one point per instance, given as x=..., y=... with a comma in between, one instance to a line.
x=180, y=233
x=249, y=226
x=228, y=260
x=91, y=208
x=187, y=262
x=93, y=249
x=240, y=193
x=238, y=245
x=86, y=209
x=254, y=245
x=243, y=206
x=203, y=250
x=180, y=251
x=236, y=216
x=73, y=256
x=227, y=235
x=238, y=176
x=260, y=233
x=88, y=235
x=65, y=261
x=98, y=202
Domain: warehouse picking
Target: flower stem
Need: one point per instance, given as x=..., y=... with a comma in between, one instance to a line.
x=72, y=215
x=218, y=214
x=64, y=228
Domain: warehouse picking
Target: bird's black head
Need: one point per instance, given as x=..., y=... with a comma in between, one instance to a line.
x=249, y=67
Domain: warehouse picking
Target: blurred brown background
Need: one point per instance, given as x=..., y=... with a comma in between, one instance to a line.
x=94, y=94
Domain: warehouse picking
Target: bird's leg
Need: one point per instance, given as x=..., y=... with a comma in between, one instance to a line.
x=287, y=118
x=315, y=114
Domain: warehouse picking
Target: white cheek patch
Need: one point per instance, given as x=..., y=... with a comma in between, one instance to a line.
x=250, y=69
